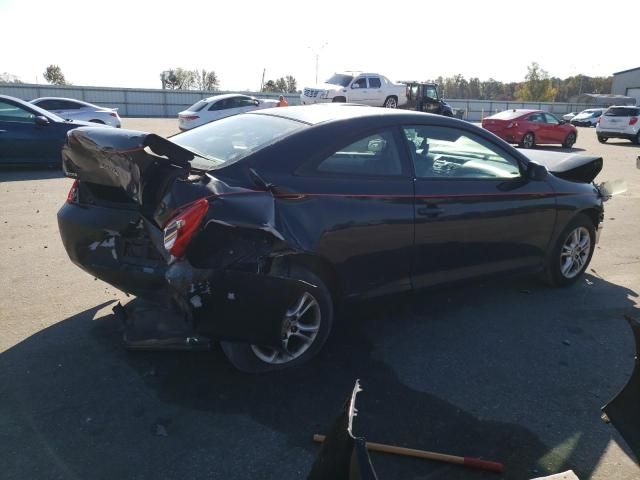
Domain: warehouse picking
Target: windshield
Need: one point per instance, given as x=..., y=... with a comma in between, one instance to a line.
x=622, y=112
x=233, y=138
x=340, y=79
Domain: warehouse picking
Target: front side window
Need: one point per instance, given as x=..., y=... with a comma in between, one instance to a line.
x=361, y=82
x=14, y=113
x=442, y=152
x=536, y=117
x=374, y=155
x=431, y=93
x=551, y=119
x=221, y=104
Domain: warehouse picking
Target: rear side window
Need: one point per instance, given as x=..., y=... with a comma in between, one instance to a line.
x=374, y=82
x=196, y=107
x=622, y=112
x=374, y=155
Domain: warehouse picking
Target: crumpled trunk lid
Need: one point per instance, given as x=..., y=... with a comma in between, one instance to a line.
x=568, y=166
x=144, y=165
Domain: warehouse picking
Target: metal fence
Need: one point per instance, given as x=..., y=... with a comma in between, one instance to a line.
x=139, y=102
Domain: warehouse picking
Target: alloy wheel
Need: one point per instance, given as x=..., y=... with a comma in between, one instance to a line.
x=575, y=252
x=300, y=327
x=391, y=103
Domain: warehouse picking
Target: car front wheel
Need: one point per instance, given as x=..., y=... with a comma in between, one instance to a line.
x=572, y=252
x=637, y=139
x=305, y=326
x=602, y=139
x=391, y=102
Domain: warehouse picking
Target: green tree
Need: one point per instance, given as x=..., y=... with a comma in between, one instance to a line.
x=179, y=79
x=292, y=85
x=537, y=85
x=6, y=77
x=53, y=74
x=270, y=86
x=281, y=84
x=204, y=80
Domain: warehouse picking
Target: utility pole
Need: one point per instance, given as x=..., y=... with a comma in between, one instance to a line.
x=317, y=54
x=264, y=71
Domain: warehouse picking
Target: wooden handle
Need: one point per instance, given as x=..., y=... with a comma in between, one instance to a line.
x=441, y=457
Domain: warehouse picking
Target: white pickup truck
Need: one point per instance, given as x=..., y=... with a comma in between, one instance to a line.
x=366, y=88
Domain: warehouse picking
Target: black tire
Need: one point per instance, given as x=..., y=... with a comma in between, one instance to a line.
x=554, y=274
x=244, y=357
x=391, y=102
x=637, y=139
x=339, y=100
x=569, y=141
x=95, y=120
x=528, y=140
x=602, y=139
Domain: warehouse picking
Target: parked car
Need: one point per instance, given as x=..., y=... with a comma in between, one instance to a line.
x=30, y=135
x=569, y=116
x=529, y=128
x=587, y=118
x=250, y=229
x=220, y=106
x=72, y=109
x=365, y=88
x=424, y=97
x=619, y=122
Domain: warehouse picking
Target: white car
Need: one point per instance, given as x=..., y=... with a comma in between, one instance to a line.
x=365, y=88
x=569, y=116
x=619, y=122
x=588, y=118
x=72, y=109
x=220, y=106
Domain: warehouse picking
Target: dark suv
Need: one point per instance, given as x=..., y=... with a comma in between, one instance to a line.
x=424, y=97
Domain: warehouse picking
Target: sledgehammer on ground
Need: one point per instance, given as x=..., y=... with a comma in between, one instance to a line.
x=442, y=457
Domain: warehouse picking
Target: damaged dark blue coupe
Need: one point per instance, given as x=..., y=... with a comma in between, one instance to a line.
x=251, y=230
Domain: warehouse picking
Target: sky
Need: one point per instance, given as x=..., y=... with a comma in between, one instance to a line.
x=128, y=43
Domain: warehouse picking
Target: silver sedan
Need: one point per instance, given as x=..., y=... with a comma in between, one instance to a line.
x=72, y=109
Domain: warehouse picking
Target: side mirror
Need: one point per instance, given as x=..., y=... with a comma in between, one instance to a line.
x=42, y=121
x=535, y=171
x=562, y=122
x=355, y=85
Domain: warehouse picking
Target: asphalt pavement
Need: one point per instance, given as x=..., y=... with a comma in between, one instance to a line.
x=508, y=370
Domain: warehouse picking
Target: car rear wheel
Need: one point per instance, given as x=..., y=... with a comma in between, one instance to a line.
x=528, y=141
x=339, y=100
x=602, y=139
x=637, y=139
x=569, y=141
x=391, y=102
x=572, y=252
x=305, y=327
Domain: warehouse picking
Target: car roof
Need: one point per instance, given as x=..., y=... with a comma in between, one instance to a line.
x=66, y=100
x=215, y=98
x=326, y=112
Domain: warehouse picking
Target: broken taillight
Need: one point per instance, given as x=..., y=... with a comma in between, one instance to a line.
x=72, y=196
x=633, y=120
x=179, y=230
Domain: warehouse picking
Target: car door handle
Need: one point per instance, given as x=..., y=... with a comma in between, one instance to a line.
x=430, y=211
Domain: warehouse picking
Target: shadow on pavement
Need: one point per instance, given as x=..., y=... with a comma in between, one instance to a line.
x=484, y=370
x=21, y=174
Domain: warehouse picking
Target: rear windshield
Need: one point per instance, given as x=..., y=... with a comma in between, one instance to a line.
x=507, y=115
x=196, y=107
x=233, y=138
x=622, y=112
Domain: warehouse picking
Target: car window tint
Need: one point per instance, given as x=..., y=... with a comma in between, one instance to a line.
x=361, y=82
x=536, y=117
x=374, y=155
x=551, y=119
x=221, y=104
x=246, y=102
x=441, y=152
x=374, y=82
x=621, y=112
x=46, y=104
x=68, y=105
x=14, y=113
x=196, y=107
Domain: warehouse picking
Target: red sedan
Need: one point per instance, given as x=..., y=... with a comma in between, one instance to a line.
x=530, y=127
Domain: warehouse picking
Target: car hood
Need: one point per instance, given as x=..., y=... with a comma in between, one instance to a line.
x=568, y=166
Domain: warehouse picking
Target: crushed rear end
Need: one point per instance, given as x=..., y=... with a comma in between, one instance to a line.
x=142, y=219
